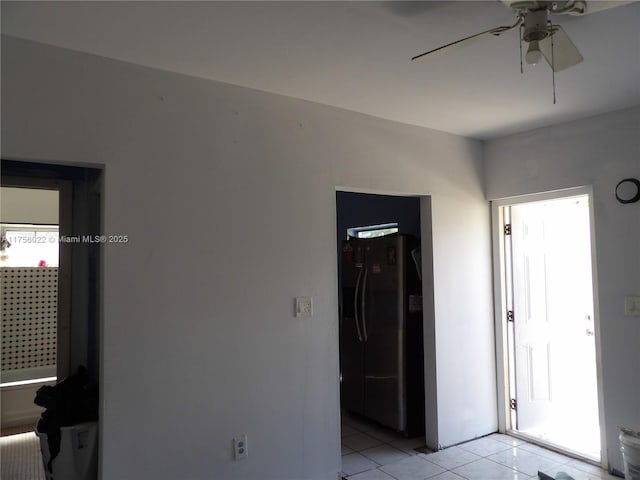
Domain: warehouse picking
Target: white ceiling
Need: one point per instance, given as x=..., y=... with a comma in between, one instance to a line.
x=356, y=55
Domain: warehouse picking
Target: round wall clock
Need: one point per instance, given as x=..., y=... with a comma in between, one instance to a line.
x=628, y=190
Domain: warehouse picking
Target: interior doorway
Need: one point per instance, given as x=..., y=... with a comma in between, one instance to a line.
x=74, y=267
x=381, y=329
x=551, y=325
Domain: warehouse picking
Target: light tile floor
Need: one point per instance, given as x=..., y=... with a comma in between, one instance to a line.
x=21, y=457
x=370, y=452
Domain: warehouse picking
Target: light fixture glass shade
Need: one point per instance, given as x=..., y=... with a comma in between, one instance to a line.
x=534, y=54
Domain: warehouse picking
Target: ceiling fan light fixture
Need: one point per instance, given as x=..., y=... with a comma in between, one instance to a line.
x=533, y=54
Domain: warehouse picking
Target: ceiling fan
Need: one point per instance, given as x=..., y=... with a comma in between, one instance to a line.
x=544, y=38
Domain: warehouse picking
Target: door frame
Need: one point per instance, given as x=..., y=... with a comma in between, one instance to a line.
x=504, y=374
x=428, y=307
x=81, y=210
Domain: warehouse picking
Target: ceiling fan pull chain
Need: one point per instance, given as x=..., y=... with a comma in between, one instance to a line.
x=521, y=70
x=553, y=64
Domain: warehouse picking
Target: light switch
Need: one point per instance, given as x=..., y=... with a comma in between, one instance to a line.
x=632, y=306
x=304, y=307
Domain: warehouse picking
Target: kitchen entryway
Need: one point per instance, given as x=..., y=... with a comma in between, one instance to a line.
x=381, y=329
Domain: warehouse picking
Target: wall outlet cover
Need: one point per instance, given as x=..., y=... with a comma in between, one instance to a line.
x=240, y=447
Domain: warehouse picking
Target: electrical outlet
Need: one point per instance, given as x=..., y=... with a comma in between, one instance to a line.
x=304, y=307
x=240, y=447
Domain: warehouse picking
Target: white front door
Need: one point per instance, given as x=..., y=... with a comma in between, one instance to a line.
x=553, y=330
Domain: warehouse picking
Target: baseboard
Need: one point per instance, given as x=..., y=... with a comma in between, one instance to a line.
x=18, y=407
x=18, y=419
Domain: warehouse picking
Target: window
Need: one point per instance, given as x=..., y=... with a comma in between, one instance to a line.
x=25, y=245
x=29, y=286
x=372, y=231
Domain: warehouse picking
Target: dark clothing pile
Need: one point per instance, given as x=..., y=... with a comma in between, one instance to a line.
x=72, y=401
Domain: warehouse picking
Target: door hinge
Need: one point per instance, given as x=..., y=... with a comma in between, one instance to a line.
x=510, y=316
x=507, y=229
x=514, y=404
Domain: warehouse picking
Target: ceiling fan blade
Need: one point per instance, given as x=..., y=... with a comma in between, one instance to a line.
x=597, y=6
x=461, y=43
x=570, y=7
x=564, y=54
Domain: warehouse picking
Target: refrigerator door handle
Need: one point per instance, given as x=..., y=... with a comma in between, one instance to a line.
x=355, y=306
x=364, y=291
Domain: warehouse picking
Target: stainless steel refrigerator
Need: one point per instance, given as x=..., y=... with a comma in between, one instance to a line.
x=381, y=343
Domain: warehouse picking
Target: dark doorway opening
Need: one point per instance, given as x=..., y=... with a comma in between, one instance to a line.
x=381, y=329
x=79, y=273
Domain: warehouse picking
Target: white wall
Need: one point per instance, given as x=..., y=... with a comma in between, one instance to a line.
x=228, y=198
x=465, y=343
x=599, y=151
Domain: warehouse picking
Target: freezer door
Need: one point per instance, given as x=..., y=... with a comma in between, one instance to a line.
x=384, y=322
x=351, y=345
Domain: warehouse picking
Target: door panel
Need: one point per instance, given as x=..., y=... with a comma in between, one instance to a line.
x=532, y=328
x=538, y=373
x=555, y=364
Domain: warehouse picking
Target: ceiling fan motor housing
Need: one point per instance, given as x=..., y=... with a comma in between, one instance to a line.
x=536, y=26
x=572, y=7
